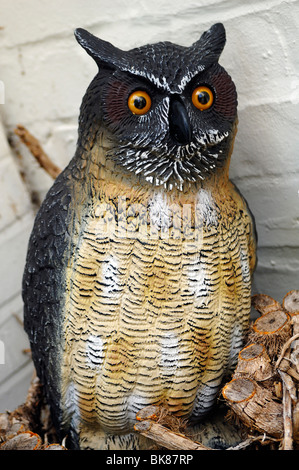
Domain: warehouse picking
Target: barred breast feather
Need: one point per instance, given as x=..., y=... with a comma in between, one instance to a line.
x=157, y=303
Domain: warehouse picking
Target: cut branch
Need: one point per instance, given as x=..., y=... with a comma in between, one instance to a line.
x=254, y=362
x=289, y=362
x=37, y=151
x=23, y=441
x=271, y=323
x=291, y=302
x=23, y=417
x=247, y=399
x=272, y=330
x=166, y=438
x=158, y=424
x=264, y=303
x=296, y=422
x=287, y=414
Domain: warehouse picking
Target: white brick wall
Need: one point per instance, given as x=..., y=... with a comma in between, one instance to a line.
x=45, y=74
x=16, y=220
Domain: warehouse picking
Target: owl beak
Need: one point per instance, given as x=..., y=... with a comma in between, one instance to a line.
x=179, y=123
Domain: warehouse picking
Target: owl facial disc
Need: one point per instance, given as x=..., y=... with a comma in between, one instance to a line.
x=169, y=111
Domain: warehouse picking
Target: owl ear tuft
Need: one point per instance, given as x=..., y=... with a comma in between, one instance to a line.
x=211, y=43
x=101, y=51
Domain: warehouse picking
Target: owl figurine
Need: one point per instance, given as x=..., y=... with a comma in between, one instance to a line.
x=137, y=284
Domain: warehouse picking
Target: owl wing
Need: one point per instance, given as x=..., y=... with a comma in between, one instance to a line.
x=250, y=229
x=43, y=287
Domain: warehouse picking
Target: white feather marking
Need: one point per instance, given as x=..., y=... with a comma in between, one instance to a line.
x=159, y=212
x=244, y=265
x=110, y=279
x=169, y=353
x=206, y=211
x=94, y=351
x=197, y=281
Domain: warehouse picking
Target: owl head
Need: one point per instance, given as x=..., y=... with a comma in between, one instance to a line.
x=168, y=111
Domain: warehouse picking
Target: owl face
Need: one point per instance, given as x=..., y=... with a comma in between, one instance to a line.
x=169, y=111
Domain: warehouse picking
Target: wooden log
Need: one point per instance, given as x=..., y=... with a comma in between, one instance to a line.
x=162, y=415
x=272, y=330
x=287, y=443
x=166, y=438
x=254, y=362
x=291, y=305
x=25, y=416
x=53, y=447
x=287, y=366
x=264, y=303
x=255, y=406
x=291, y=302
x=271, y=323
x=23, y=441
x=296, y=422
x=151, y=412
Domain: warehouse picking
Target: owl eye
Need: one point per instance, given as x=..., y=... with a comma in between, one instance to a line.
x=202, y=98
x=139, y=102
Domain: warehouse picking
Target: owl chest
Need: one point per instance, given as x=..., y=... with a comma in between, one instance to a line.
x=155, y=254
x=136, y=261
x=147, y=306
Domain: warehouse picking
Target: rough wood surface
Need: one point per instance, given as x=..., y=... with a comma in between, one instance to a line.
x=264, y=303
x=17, y=428
x=23, y=441
x=287, y=443
x=271, y=322
x=291, y=302
x=166, y=438
x=296, y=422
x=268, y=403
x=273, y=328
x=254, y=362
x=255, y=406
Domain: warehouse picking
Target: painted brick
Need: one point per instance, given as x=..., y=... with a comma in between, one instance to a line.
x=13, y=247
x=15, y=200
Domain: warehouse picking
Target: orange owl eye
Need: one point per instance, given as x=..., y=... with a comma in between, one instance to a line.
x=202, y=98
x=139, y=102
